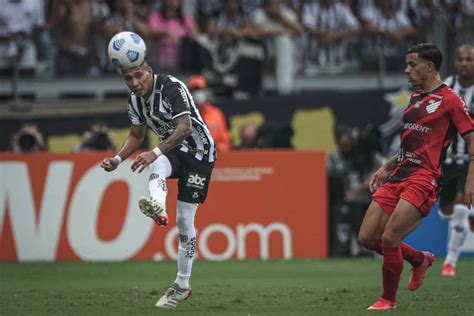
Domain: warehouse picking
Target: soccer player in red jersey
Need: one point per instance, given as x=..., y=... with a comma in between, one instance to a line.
x=406, y=187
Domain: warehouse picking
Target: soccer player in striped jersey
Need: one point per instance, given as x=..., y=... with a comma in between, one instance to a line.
x=455, y=165
x=407, y=186
x=186, y=151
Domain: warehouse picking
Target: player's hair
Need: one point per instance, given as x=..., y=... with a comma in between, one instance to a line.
x=429, y=52
x=144, y=64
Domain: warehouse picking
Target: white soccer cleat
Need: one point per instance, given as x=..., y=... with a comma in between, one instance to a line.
x=153, y=209
x=173, y=296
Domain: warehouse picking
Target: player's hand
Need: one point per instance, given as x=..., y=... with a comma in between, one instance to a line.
x=143, y=160
x=109, y=164
x=469, y=192
x=377, y=178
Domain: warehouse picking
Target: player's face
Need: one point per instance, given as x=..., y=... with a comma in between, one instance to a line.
x=417, y=69
x=139, y=80
x=464, y=62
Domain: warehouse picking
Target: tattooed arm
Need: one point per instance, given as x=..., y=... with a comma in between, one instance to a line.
x=182, y=130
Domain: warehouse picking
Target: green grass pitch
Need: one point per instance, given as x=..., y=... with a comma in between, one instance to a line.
x=296, y=287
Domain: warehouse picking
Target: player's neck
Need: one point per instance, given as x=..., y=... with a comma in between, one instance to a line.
x=431, y=84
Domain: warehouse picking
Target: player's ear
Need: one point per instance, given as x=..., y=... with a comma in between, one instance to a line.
x=431, y=66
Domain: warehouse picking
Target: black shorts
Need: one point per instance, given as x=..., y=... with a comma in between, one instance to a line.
x=453, y=181
x=193, y=176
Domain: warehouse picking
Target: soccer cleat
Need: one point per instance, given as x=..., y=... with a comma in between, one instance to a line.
x=382, y=304
x=418, y=273
x=448, y=270
x=154, y=210
x=173, y=296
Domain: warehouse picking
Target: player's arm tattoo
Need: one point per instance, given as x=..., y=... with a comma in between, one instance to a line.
x=182, y=130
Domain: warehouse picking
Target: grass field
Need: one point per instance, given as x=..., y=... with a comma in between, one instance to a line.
x=299, y=287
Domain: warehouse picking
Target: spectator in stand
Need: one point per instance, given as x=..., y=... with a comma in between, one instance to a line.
x=170, y=27
x=124, y=17
x=211, y=114
x=330, y=25
x=96, y=137
x=203, y=8
x=74, y=23
x=389, y=30
x=20, y=24
x=422, y=14
x=467, y=32
x=28, y=138
x=249, y=136
x=279, y=27
x=234, y=54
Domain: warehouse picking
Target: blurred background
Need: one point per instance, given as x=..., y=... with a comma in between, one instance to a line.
x=299, y=75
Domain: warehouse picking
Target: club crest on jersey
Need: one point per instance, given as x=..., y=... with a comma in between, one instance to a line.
x=432, y=106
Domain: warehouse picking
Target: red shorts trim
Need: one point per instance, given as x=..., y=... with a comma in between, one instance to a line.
x=422, y=195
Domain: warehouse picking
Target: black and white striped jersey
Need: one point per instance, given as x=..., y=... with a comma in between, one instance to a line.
x=170, y=99
x=457, y=152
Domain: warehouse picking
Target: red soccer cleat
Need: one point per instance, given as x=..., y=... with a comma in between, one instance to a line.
x=448, y=270
x=418, y=273
x=162, y=219
x=382, y=304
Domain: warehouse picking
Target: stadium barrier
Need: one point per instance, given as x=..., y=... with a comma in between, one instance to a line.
x=261, y=204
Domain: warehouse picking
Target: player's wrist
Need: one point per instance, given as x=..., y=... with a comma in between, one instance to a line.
x=118, y=158
x=157, y=151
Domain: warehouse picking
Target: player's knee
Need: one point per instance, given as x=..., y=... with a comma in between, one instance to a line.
x=367, y=240
x=390, y=238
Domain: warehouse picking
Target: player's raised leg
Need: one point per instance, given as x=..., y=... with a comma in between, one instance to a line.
x=181, y=289
x=154, y=206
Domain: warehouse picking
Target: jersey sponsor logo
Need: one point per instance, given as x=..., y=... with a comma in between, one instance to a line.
x=196, y=181
x=432, y=106
x=202, y=134
x=184, y=96
x=417, y=127
x=409, y=156
x=164, y=129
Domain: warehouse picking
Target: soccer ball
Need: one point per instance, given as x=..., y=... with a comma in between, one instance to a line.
x=127, y=50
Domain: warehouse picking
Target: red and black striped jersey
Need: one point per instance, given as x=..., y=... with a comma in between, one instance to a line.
x=430, y=123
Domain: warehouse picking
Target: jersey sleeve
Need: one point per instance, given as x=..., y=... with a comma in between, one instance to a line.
x=179, y=97
x=458, y=110
x=133, y=112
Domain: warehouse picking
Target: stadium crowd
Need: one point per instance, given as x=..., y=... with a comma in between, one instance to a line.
x=232, y=42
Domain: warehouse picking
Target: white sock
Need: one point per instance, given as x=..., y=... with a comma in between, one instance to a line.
x=160, y=169
x=459, y=228
x=185, y=213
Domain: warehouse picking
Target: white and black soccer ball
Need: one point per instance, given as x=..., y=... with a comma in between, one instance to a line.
x=127, y=50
